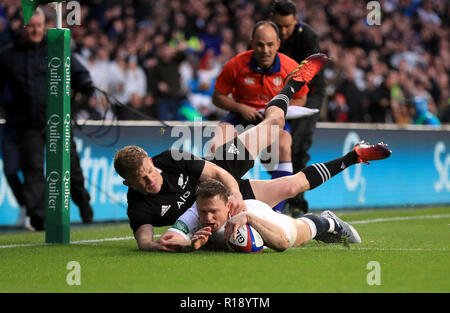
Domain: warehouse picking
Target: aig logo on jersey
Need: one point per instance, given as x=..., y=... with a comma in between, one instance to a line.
x=182, y=199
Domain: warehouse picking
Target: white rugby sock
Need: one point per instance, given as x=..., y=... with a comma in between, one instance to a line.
x=332, y=225
x=312, y=226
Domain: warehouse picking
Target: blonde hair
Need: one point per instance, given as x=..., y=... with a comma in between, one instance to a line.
x=128, y=160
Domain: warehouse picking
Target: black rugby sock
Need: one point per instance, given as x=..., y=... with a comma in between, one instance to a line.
x=283, y=98
x=317, y=224
x=318, y=173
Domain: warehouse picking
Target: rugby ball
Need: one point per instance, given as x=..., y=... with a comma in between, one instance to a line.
x=248, y=240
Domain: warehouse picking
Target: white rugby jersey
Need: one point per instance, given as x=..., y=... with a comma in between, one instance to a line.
x=188, y=223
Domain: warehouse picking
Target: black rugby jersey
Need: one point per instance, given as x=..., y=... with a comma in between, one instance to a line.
x=177, y=194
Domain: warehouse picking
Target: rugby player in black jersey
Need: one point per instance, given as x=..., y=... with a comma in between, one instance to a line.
x=163, y=187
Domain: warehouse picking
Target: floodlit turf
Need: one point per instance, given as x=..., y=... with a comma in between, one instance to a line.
x=413, y=256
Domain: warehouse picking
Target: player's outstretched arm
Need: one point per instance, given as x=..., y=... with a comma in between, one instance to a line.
x=173, y=242
x=144, y=239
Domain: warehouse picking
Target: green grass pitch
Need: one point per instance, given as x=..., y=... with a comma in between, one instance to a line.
x=410, y=248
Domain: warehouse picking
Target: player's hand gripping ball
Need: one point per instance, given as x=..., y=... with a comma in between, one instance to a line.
x=248, y=240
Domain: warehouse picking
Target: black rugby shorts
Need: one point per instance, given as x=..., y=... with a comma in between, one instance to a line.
x=236, y=160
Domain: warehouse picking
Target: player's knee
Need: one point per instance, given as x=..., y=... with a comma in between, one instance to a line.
x=275, y=120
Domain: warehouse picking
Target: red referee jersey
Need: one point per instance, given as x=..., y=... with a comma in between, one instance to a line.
x=251, y=85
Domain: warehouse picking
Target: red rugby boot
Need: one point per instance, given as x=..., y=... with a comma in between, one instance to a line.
x=367, y=152
x=308, y=68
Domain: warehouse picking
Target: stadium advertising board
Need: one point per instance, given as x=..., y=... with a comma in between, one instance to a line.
x=416, y=174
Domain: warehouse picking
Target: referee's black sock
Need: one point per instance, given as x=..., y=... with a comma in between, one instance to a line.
x=318, y=173
x=283, y=98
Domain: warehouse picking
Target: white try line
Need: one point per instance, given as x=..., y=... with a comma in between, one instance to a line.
x=404, y=218
x=377, y=220
x=72, y=243
x=353, y=247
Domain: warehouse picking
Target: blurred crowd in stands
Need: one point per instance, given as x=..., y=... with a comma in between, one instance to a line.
x=161, y=57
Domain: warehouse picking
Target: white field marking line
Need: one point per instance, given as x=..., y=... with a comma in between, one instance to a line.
x=101, y=240
x=73, y=242
x=24, y=245
x=405, y=218
x=352, y=247
x=387, y=219
x=377, y=220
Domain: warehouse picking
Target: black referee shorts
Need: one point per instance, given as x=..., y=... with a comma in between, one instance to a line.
x=236, y=160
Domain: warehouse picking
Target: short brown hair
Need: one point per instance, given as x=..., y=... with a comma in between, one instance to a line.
x=128, y=160
x=211, y=188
